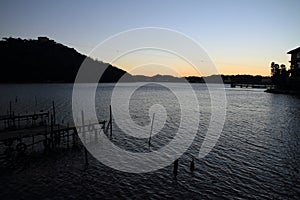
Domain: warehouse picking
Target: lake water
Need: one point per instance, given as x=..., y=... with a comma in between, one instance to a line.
x=256, y=157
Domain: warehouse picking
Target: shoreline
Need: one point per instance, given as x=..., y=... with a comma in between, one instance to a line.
x=282, y=91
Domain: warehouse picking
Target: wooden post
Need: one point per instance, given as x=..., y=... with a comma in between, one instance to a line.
x=74, y=132
x=32, y=141
x=10, y=109
x=84, y=137
x=110, y=120
x=57, y=135
x=68, y=140
x=83, y=127
x=14, y=119
x=51, y=132
x=48, y=118
x=8, y=124
x=192, y=166
x=32, y=121
x=54, y=117
x=175, y=167
x=151, y=129
x=90, y=132
x=96, y=136
x=18, y=120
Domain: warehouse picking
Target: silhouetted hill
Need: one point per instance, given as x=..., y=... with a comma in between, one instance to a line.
x=44, y=60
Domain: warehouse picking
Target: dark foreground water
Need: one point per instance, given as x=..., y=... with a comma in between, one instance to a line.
x=256, y=157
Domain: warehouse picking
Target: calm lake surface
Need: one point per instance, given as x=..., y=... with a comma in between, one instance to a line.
x=256, y=157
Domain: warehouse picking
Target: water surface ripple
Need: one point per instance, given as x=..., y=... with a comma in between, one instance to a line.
x=256, y=156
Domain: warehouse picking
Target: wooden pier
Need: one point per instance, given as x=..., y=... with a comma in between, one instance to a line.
x=22, y=132
x=18, y=132
x=250, y=85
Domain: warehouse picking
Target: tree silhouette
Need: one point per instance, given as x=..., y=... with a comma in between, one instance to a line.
x=280, y=75
x=275, y=72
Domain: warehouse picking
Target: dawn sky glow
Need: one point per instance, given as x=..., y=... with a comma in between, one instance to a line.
x=241, y=37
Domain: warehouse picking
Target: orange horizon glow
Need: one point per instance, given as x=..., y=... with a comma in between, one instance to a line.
x=151, y=63
x=222, y=69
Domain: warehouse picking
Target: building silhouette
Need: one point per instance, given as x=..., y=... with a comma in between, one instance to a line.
x=295, y=68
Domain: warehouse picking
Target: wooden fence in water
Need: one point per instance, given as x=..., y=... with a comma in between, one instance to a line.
x=21, y=131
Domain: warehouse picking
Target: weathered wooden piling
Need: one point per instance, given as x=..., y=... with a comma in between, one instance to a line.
x=96, y=135
x=10, y=114
x=57, y=136
x=32, y=141
x=74, y=136
x=110, y=120
x=68, y=145
x=151, y=129
x=19, y=121
x=51, y=132
x=54, y=115
x=84, y=137
x=192, y=166
x=82, y=127
x=10, y=108
x=175, y=167
x=90, y=128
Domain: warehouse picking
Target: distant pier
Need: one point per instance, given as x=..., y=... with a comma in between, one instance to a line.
x=250, y=85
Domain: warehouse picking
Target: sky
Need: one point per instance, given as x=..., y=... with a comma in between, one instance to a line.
x=240, y=36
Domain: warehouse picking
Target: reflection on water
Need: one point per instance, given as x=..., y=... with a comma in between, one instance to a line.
x=257, y=155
